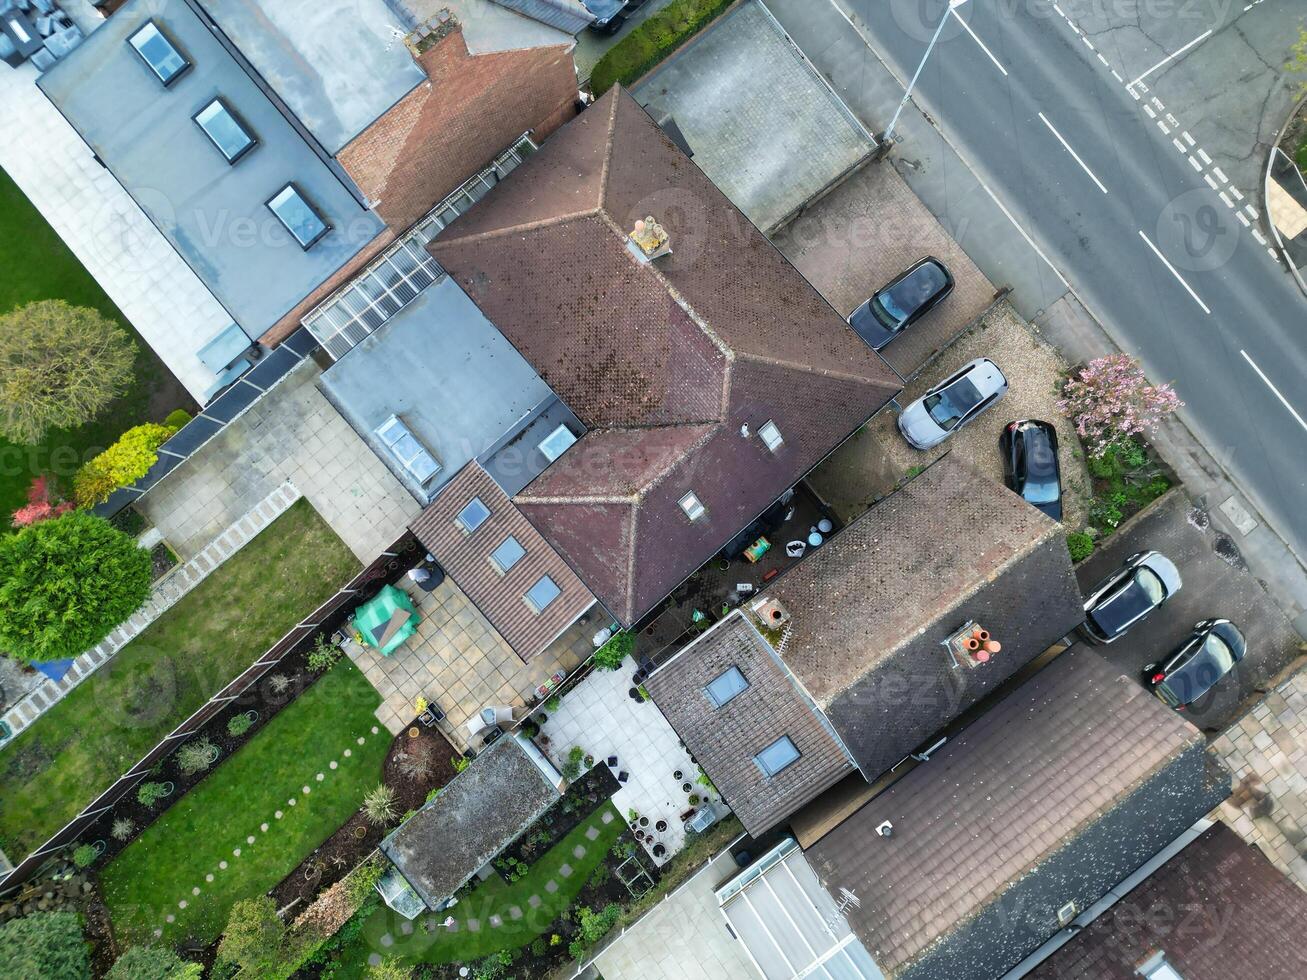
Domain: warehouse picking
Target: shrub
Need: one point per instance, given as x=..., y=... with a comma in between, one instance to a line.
x=433, y=794
x=324, y=655
x=60, y=365
x=461, y=763
x=1109, y=400
x=1080, y=544
x=552, y=704
x=279, y=683
x=123, y=828
x=150, y=793
x=593, y=926
x=44, y=946
x=572, y=767
x=85, y=856
x=152, y=963
x=363, y=880
x=415, y=761
x=41, y=504
x=530, y=729
x=704, y=781
x=492, y=966
x=121, y=465
x=196, y=756
x=177, y=418
x=65, y=583
x=611, y=654
x=239, y=724
x=539, y=947
x=379, y=806
x=255, y=937
x=652, y=41
x=391, y=968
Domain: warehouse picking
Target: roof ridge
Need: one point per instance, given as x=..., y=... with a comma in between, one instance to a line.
x=748, y=355
x=481, y=236
x=632, y=499
x=711, y=429
x=608, y=147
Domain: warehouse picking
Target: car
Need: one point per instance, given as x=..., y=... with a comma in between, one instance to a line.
x=609, y=15
x=1210, y=652
x=1030, y=465
x=1144, y=582
x=905, y=300
x=952, y=403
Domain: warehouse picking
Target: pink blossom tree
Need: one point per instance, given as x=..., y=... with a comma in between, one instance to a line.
x=41, y=505
x=1110, y=399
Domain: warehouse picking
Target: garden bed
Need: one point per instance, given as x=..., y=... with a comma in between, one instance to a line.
x=650, y=42
x=584, y=796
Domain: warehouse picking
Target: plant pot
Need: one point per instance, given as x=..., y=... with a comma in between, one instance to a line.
x=678, y=775
x=360, y=832
x=659, y=850
x=168, y=789
x=686, y=787
x=644, y=821
x=414, y=732
x=661, y=826
x=589, y=761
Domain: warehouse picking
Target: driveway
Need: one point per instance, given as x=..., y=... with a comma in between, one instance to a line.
x=1215, y=585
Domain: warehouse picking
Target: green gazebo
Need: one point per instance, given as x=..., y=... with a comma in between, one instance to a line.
x=386, y=621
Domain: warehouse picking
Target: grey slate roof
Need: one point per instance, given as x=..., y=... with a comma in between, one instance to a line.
x=212, y=212
x=871, y=608
x=479, y=812
x=724, y=740
x=1053, y=796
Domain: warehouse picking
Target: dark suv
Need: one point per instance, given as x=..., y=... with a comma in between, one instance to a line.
x=1030, y=465
x=905, y=300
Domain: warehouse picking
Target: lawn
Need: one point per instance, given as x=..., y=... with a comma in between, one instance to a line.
x=36, y=264
x=261, y=786
x=81, y=745
x=494, y=897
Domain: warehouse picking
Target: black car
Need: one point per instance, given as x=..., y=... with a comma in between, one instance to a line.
x=1030, y=466
x=1211, y=652
x=1145, y=582
x=895, y=307
x=609, y=15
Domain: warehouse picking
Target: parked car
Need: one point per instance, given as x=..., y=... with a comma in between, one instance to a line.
x=905, y=300
x=1030, y=465
x=609, y=15
x=952, y=403
x=1146, y=581
x=1210, y=652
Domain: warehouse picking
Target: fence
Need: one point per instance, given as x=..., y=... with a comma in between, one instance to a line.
x=328, y=617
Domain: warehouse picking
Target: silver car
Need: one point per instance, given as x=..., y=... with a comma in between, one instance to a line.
x=952, y=403
x=1145, y=582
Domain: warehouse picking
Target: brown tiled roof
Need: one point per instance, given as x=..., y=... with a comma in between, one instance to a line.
x=724, y=740
x=466, y=557
x=1218, y=909
x=871, y=607
x=1014, y=809
x=663, y=362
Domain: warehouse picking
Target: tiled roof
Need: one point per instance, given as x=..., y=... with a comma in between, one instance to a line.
x=466, y=557
x=1005, y=823
x=664, y=362
x=1218, y=909
x=724, y=740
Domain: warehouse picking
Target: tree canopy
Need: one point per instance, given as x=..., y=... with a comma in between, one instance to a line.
x=44, y=946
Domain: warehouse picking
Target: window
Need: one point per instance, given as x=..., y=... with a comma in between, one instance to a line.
x=159, y=53
x=1156, y=968
x=298, y=216
x=692, y=506
x=540, y=595
x=472, y=516
x=725, y=686
x=411, y=454
x=556, y=443
x=224, y=130
x=777, y=756
x=507, y=554
x=771, y=436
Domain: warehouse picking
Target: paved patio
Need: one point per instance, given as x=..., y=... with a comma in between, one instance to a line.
x=460, y=663
x=292, y=434
x=600, y=716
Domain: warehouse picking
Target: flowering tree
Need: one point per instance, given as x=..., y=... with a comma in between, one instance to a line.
x=41, y=505
x=1110, y=399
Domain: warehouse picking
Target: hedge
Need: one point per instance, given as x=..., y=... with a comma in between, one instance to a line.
x=651, y=42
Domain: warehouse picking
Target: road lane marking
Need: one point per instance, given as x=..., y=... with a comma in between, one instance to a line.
x=1179, y=146
x=1220, y=175
x=1224, y=197
x=1187, y=138
x=1243, y=218
x=967, y=27
x=1274, y=390
x=1202, y=155
x=1074, y=155
x=1211, y=182
x=1148, y=111
x=1171, y=57
x=1195, y=164
x=1166, y=262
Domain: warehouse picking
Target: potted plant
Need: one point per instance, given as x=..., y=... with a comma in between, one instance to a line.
x=644, y=821
x=632, y=817
x=694, y=799
x=197, y=756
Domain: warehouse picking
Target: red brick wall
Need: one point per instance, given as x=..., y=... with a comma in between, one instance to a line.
x=472, y=108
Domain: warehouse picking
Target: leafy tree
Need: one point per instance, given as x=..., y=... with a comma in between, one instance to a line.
x=255, y=937
x=121, y=465
x=41, y=504
x=611, y=654
x=152, y=963
x=1109, y=400
x=65, y=583
x=44, y=946
x=60, y=365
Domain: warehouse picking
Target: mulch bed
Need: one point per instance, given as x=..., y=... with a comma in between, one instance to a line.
x=357, y=838
x=162, y=561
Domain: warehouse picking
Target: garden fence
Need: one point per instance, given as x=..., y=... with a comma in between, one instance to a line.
x=326, y=619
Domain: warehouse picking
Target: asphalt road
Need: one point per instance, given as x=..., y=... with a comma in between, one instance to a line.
x=1134, y=221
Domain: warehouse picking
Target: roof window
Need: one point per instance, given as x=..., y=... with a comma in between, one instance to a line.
x=778, y=756
x=224, y=130
x=508, y=554
x=472, y=516
x=726, y=686
x=298, y=216
x=540, y=595
x=557, y=442
x=692, y=506
x=770, y=434
x=411, y=454
x=1156, y=968
x=159, y=53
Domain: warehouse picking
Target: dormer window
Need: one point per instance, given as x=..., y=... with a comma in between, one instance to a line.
x=159, y=53
x=472, y=516
x=692, y=506
x=770, y=436
x=224, y=130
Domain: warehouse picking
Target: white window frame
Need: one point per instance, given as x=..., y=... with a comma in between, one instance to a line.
x=563, y=435
x=693, y=506
x=770, y=434
x=391, y=432
x=708, y=691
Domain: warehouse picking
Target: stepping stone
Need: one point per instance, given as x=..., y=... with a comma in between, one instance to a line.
x=278, y=815
x=375, y=729
x=249, y=839
x=158, y=933
x=578, y=851
x=515, y=912
x=209, y=876
x=551, y=886
x=361, y=740
x=305, y=790
x=195, y=891
x=607, y=818
x=263, y=827
x=348, y=753
x=565, y=871
x=222, y=865
x=406, y=928
x=496, y=921
x=453, y=926
x=534, y=901
x=170, y=918
x=334, y=763
x=374, y=959
x=319, y=777
x=292, y=801
x=387, y=940
x=473, y=925
x=182, y=904
x=591, y=833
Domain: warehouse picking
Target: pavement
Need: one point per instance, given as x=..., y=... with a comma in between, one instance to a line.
x=1215, y=584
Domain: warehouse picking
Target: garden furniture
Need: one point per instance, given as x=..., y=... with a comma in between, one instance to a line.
x=623, y=776
x=612, y=762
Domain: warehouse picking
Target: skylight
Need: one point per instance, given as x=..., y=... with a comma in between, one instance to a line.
x=726, y=686
x=410, y=453
x=298, y=216
x=557, y=442
x=771, y=436
x=225, y=130
x=159, y=53
x=473, y=515
x=692, y=506
x=540, y=595
x=507, y=554
x=777, y=756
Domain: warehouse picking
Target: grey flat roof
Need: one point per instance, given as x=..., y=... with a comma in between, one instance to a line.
x=338, y=64
x=212, y=212
x=446, y=372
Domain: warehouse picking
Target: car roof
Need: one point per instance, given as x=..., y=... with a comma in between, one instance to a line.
x=1164, y=569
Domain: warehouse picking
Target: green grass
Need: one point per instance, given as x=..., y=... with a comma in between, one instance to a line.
x=145, y=883
x=81, y=745
x=652, y=41
x=35, y=264
x=493, y=897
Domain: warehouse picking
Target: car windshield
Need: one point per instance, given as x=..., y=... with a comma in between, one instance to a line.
x=1036, y=460
x=889, y=313
x=948, y=407
x=1140, y=594
x=897, y=303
